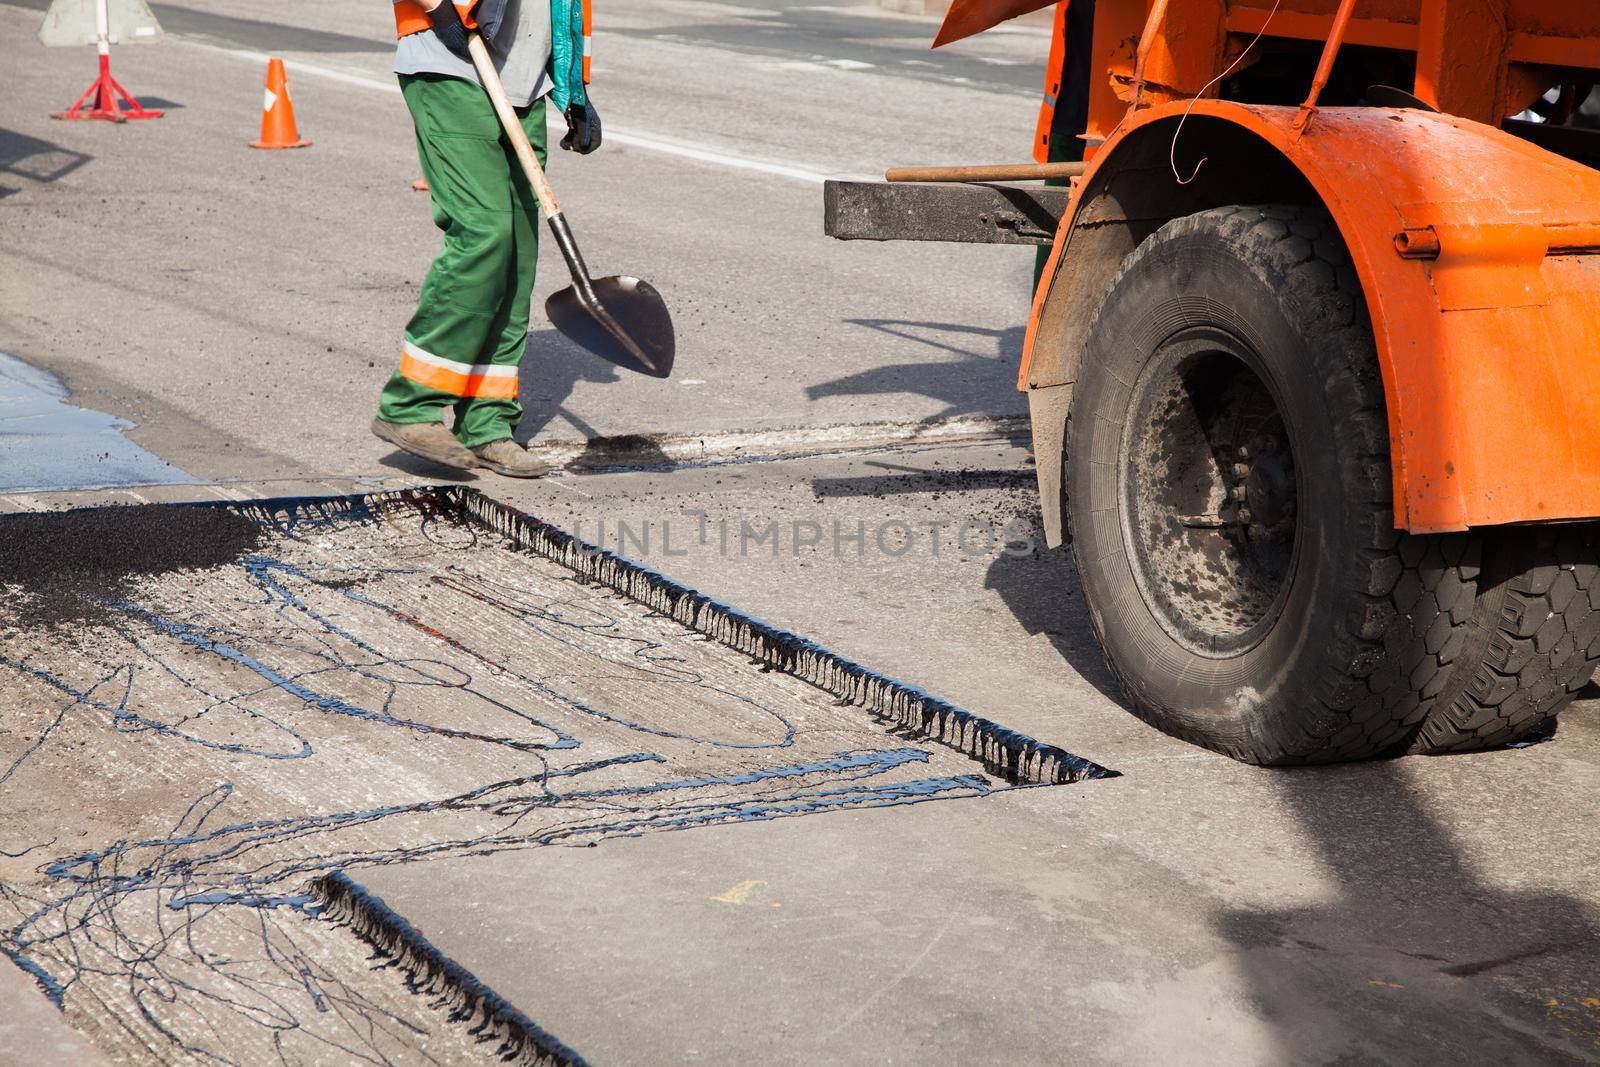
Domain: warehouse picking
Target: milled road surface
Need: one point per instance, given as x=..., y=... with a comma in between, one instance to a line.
x=242, y=309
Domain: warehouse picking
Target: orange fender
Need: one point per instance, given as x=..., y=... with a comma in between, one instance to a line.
x=1480, y=258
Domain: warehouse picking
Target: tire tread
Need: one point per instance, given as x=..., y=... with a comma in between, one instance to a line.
x=1534, y=640
x=1411, y=595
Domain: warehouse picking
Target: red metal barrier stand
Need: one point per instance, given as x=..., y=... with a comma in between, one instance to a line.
x=104, y=92
x=105, y=89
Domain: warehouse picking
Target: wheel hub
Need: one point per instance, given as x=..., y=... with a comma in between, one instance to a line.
x=1208, y=481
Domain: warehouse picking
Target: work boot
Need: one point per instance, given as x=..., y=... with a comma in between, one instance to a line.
x=511, y=459
x=430, y=440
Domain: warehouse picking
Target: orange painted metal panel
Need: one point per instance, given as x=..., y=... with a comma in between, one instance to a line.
x=1391, y=10
x=1559, y=18
x=1555, y=49
x=1491, y=352
x=967, y=17
x=1298, y=25
x=1490, y=343
x=1481, y=59
x=1054, y=69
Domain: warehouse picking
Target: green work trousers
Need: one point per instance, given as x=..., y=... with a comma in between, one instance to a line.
x=466, y=339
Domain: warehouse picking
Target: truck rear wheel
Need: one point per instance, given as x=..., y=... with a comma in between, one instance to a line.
x=1230, y=501
x=1532, y=643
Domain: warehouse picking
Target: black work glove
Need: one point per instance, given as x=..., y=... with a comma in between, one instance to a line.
x=448, y=28
x=583, y=128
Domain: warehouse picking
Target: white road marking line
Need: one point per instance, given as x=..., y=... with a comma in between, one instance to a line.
x=560, y=480
x=673, y=147
x=649, y=142
x=818, y=64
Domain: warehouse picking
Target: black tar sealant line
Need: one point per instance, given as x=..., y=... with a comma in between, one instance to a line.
x=1003, y=751
x=431, y=973
x=1013, y=755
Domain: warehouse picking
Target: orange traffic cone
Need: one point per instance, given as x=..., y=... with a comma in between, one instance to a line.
x=277, y=112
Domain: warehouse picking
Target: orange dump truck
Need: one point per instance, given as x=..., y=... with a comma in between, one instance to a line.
x=1314, y=367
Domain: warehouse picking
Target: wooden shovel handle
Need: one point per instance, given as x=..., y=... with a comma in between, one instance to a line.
x=513, y=127
x=999, y=172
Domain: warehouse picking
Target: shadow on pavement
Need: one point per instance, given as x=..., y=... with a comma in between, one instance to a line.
x=1416, y=957
x=263, y=36
x=1041, y=591
x=158, y=103
x=1416, y=951
x=891, y=45
x=963, y=385
x=552, y=367
x=35, y=160
x=406, y=463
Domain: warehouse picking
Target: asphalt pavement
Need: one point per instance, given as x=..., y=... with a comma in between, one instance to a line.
x=227, y=300
x=237, y=311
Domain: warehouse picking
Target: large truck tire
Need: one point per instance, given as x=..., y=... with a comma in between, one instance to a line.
x=1532, y=643
x=1230, y=502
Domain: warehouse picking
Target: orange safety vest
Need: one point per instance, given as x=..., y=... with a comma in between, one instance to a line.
x=1052, y=84
x=411, y=17
x=588, y=28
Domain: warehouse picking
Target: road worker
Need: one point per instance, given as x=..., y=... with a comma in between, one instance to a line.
x=1064, y=114
x=463, y=345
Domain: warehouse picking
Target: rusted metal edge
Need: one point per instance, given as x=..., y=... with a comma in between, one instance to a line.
x=957, y=212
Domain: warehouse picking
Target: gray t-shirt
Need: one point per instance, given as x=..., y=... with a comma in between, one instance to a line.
x=521, y=52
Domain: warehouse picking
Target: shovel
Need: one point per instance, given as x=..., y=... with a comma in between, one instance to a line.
x=620, y=319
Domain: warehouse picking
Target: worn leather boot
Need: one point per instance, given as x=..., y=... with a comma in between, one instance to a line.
x=507, y=457
x=430, y=440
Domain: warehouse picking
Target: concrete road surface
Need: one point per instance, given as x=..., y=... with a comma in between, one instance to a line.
x=238, y=311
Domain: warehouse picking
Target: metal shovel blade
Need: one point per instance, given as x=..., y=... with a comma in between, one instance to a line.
x=627, y=324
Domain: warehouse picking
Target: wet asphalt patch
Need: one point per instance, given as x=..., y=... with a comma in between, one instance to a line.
x=51, y=443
